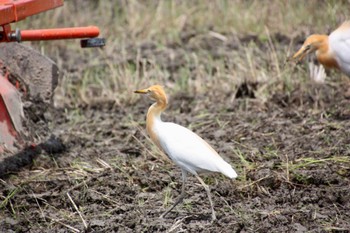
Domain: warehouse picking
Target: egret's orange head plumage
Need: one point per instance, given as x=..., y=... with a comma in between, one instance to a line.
x=320, y=45
x=316, y=41
x=311, y=44
x=155, y=92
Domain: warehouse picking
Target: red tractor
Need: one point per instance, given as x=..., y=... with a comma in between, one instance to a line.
x=26, y=75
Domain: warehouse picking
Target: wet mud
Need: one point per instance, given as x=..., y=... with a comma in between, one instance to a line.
x=291, y=153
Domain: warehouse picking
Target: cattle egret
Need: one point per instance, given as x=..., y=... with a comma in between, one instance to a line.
x=332, y=51
x=185, y=148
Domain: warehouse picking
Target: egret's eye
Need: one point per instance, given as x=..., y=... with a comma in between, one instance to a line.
x=307, y=47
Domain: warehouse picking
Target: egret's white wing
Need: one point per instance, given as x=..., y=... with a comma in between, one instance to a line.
x=339, y=43
x=190, y=151
x=317, y=72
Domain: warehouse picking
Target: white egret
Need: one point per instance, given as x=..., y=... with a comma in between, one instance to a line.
x=185, y=148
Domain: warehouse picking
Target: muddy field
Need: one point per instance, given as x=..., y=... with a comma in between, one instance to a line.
x=290, y=148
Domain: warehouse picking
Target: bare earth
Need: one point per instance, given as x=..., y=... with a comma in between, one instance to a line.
x=291, y=152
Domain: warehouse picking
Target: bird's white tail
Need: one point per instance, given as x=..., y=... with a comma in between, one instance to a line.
x=228, y=171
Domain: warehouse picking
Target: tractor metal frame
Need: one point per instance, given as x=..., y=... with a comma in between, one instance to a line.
x=11, y=110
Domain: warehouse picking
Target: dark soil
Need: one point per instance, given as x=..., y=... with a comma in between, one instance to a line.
x=294, y=178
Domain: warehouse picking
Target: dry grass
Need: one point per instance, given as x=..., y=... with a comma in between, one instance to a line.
x=104, y=74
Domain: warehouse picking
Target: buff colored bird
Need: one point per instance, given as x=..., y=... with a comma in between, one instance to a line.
x=332, y=51
x=185, y=148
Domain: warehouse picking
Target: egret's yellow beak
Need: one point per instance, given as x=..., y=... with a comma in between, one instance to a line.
x=142, y=91
x=298, y=56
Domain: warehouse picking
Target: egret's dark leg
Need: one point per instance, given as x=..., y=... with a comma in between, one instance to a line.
x=182, y=195
x=206, y=187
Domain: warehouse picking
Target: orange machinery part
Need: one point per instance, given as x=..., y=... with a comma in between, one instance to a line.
x=60, y=33
x=16, y=10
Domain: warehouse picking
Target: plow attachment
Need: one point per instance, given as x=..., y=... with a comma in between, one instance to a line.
x=28, y=80
x=26, y=77
x=11, y=114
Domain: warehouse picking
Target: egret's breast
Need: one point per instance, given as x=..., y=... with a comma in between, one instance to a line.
x=327, y=60
x=151, y=127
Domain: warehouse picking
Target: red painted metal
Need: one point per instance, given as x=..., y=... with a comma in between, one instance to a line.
x=13, y=11
x=61, y=33
x=8, y=132
x=6, y=30
x=7, y=14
